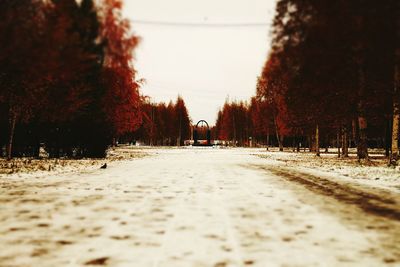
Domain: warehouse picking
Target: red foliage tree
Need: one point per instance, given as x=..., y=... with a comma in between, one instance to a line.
x=234, y=123
x=66, y=76
x=164, y=124
x=181, y=121
x=330, y=70
x=121, y=101
x=20, y=55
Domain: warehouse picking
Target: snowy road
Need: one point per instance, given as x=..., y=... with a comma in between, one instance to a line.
x=195, y=207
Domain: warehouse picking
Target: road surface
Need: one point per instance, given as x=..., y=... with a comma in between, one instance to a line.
x=195, y=207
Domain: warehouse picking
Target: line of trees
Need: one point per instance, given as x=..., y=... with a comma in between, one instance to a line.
x=66, y=77
x=332, y=76
x=164, y=125
x=233, y=123
x=244, y=123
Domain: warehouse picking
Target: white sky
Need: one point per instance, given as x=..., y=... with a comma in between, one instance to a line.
x=204, y=65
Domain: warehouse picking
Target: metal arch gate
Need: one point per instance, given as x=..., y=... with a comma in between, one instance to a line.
x=196, y=134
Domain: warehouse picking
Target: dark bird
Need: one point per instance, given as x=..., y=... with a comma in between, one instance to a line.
x=104, y=166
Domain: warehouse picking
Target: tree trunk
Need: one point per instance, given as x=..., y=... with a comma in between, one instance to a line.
x=353, y=139
x=114, y=142
x=234, y=129
x=317, y=141
x=267, y=139
x=388, y=137
x=338, y=141
x=362, y=144
x=327, y=144
x=281, y=142
x=180, y=129
x=345, y=143
x=278, y=138
x=394, y=157
x=13, y=121
x=294, y=144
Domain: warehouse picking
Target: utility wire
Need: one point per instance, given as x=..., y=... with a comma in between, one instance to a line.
x=198, y=25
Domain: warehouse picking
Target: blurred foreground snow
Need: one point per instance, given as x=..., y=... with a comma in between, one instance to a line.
x=198, y=207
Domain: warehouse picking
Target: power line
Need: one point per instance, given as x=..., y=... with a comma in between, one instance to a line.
x=196, y=24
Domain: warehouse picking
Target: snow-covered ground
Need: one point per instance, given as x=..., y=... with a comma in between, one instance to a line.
x=24, y=167
x=375, y=173
x=196, y=207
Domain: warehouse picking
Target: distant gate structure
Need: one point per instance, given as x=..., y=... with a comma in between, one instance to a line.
x=202, y=124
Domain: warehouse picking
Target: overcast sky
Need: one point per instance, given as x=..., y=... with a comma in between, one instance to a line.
x=204, y=64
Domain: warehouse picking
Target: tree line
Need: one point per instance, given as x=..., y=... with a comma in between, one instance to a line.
x=332, y=76
x=164, y=124
x=245, y=123
x=66, y=77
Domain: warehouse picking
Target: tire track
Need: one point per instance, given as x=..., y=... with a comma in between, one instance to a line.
x=368, y=209
x=387, y=205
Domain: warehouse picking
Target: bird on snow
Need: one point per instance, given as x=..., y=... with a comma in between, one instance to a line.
x=104, y=166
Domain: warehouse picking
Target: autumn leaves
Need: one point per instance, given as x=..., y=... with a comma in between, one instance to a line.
x=66, y=77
